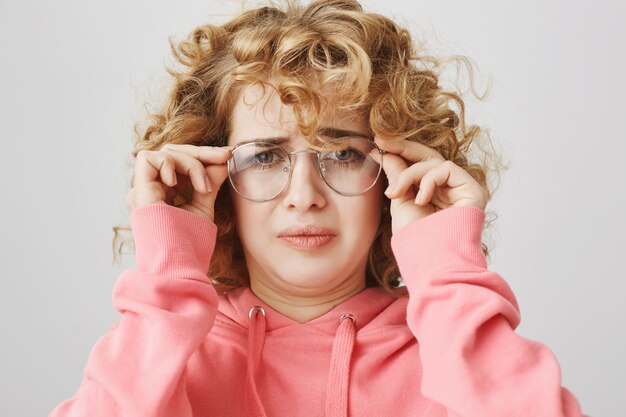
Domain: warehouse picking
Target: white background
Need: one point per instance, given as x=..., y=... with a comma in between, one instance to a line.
x=75, y=75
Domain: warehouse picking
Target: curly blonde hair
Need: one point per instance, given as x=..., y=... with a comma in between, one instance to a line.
x=373, y=67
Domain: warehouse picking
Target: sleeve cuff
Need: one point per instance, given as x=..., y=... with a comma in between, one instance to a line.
x=171, y=239
x=446, y=241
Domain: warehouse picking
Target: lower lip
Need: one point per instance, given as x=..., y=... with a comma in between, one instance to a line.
x=307, y=242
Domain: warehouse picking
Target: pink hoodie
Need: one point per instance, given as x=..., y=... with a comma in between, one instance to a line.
x=450, y=349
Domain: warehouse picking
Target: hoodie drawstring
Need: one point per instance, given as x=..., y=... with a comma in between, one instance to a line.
x=338, y=376
x=256, y=338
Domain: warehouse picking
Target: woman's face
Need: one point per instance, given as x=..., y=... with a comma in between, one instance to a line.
x=302, y=266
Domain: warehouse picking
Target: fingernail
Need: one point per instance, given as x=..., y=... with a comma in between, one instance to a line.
x=418, y=196
x=392, y=186
x=207, y=184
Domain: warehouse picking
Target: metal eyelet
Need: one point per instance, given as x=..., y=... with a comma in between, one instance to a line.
x=259, y=308
x=347, y=316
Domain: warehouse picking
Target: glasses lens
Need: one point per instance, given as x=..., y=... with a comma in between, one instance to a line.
x=258, y=171
x=347, y=166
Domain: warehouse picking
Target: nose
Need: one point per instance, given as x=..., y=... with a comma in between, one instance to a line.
x=306, y=188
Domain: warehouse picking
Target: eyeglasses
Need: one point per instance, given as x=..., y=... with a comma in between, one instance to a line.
x=260, y=171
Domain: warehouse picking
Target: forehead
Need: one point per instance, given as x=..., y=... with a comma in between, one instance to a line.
x=261, y=114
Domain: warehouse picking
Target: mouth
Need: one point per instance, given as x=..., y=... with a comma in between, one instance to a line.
x=307, y=241
x=307, y=236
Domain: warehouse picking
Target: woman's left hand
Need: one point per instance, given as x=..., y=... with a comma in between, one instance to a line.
x=441, y=183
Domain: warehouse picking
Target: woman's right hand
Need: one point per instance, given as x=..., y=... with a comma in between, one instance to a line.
x=160, y=175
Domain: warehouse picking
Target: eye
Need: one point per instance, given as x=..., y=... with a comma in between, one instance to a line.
x=349, y=154
x=266, y=157
x=344, y=154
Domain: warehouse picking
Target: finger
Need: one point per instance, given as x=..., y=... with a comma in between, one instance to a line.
x=192, y=168
x=151, y=165
x=410, y=150
x=217, y=175
x=430, y=181
x=166, y=164
x=412, y=176
x=446, y=174
x=205, y=154
x=392, y=166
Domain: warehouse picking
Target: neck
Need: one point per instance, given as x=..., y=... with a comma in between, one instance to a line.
x=305, y=307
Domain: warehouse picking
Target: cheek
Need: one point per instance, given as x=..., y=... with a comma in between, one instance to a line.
x=364, y=212
x=250, y=219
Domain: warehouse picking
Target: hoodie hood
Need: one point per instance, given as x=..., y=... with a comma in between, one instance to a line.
x=368, y=310
x=366, y=305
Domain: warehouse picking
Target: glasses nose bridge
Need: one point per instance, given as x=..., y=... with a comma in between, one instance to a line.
x=304, y=151
x=308, y=151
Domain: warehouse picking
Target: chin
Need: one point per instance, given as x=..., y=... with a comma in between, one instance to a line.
x=309, y=278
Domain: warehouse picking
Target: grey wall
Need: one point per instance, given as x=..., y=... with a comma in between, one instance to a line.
x=75, y=74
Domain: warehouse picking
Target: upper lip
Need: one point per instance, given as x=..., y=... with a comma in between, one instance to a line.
x=306, y=230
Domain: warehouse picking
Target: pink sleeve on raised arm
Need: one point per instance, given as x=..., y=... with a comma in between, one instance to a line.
x=168, y=307
x=464, y=318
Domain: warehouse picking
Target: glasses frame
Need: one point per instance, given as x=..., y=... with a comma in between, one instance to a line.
x=320, y=169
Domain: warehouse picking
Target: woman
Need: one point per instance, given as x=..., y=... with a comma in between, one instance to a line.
x=274, y=210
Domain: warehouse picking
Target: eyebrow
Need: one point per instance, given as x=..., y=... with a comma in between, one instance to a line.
x=339, y=133
x=273, y=140
x=326, y=131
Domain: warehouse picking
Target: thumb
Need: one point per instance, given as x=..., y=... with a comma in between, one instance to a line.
x=402, y=208
x=393, y=165
x=217, y=175
x=205, y=202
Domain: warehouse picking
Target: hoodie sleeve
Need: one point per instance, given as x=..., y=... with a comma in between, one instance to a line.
x=168, y=306
x=465, y=317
